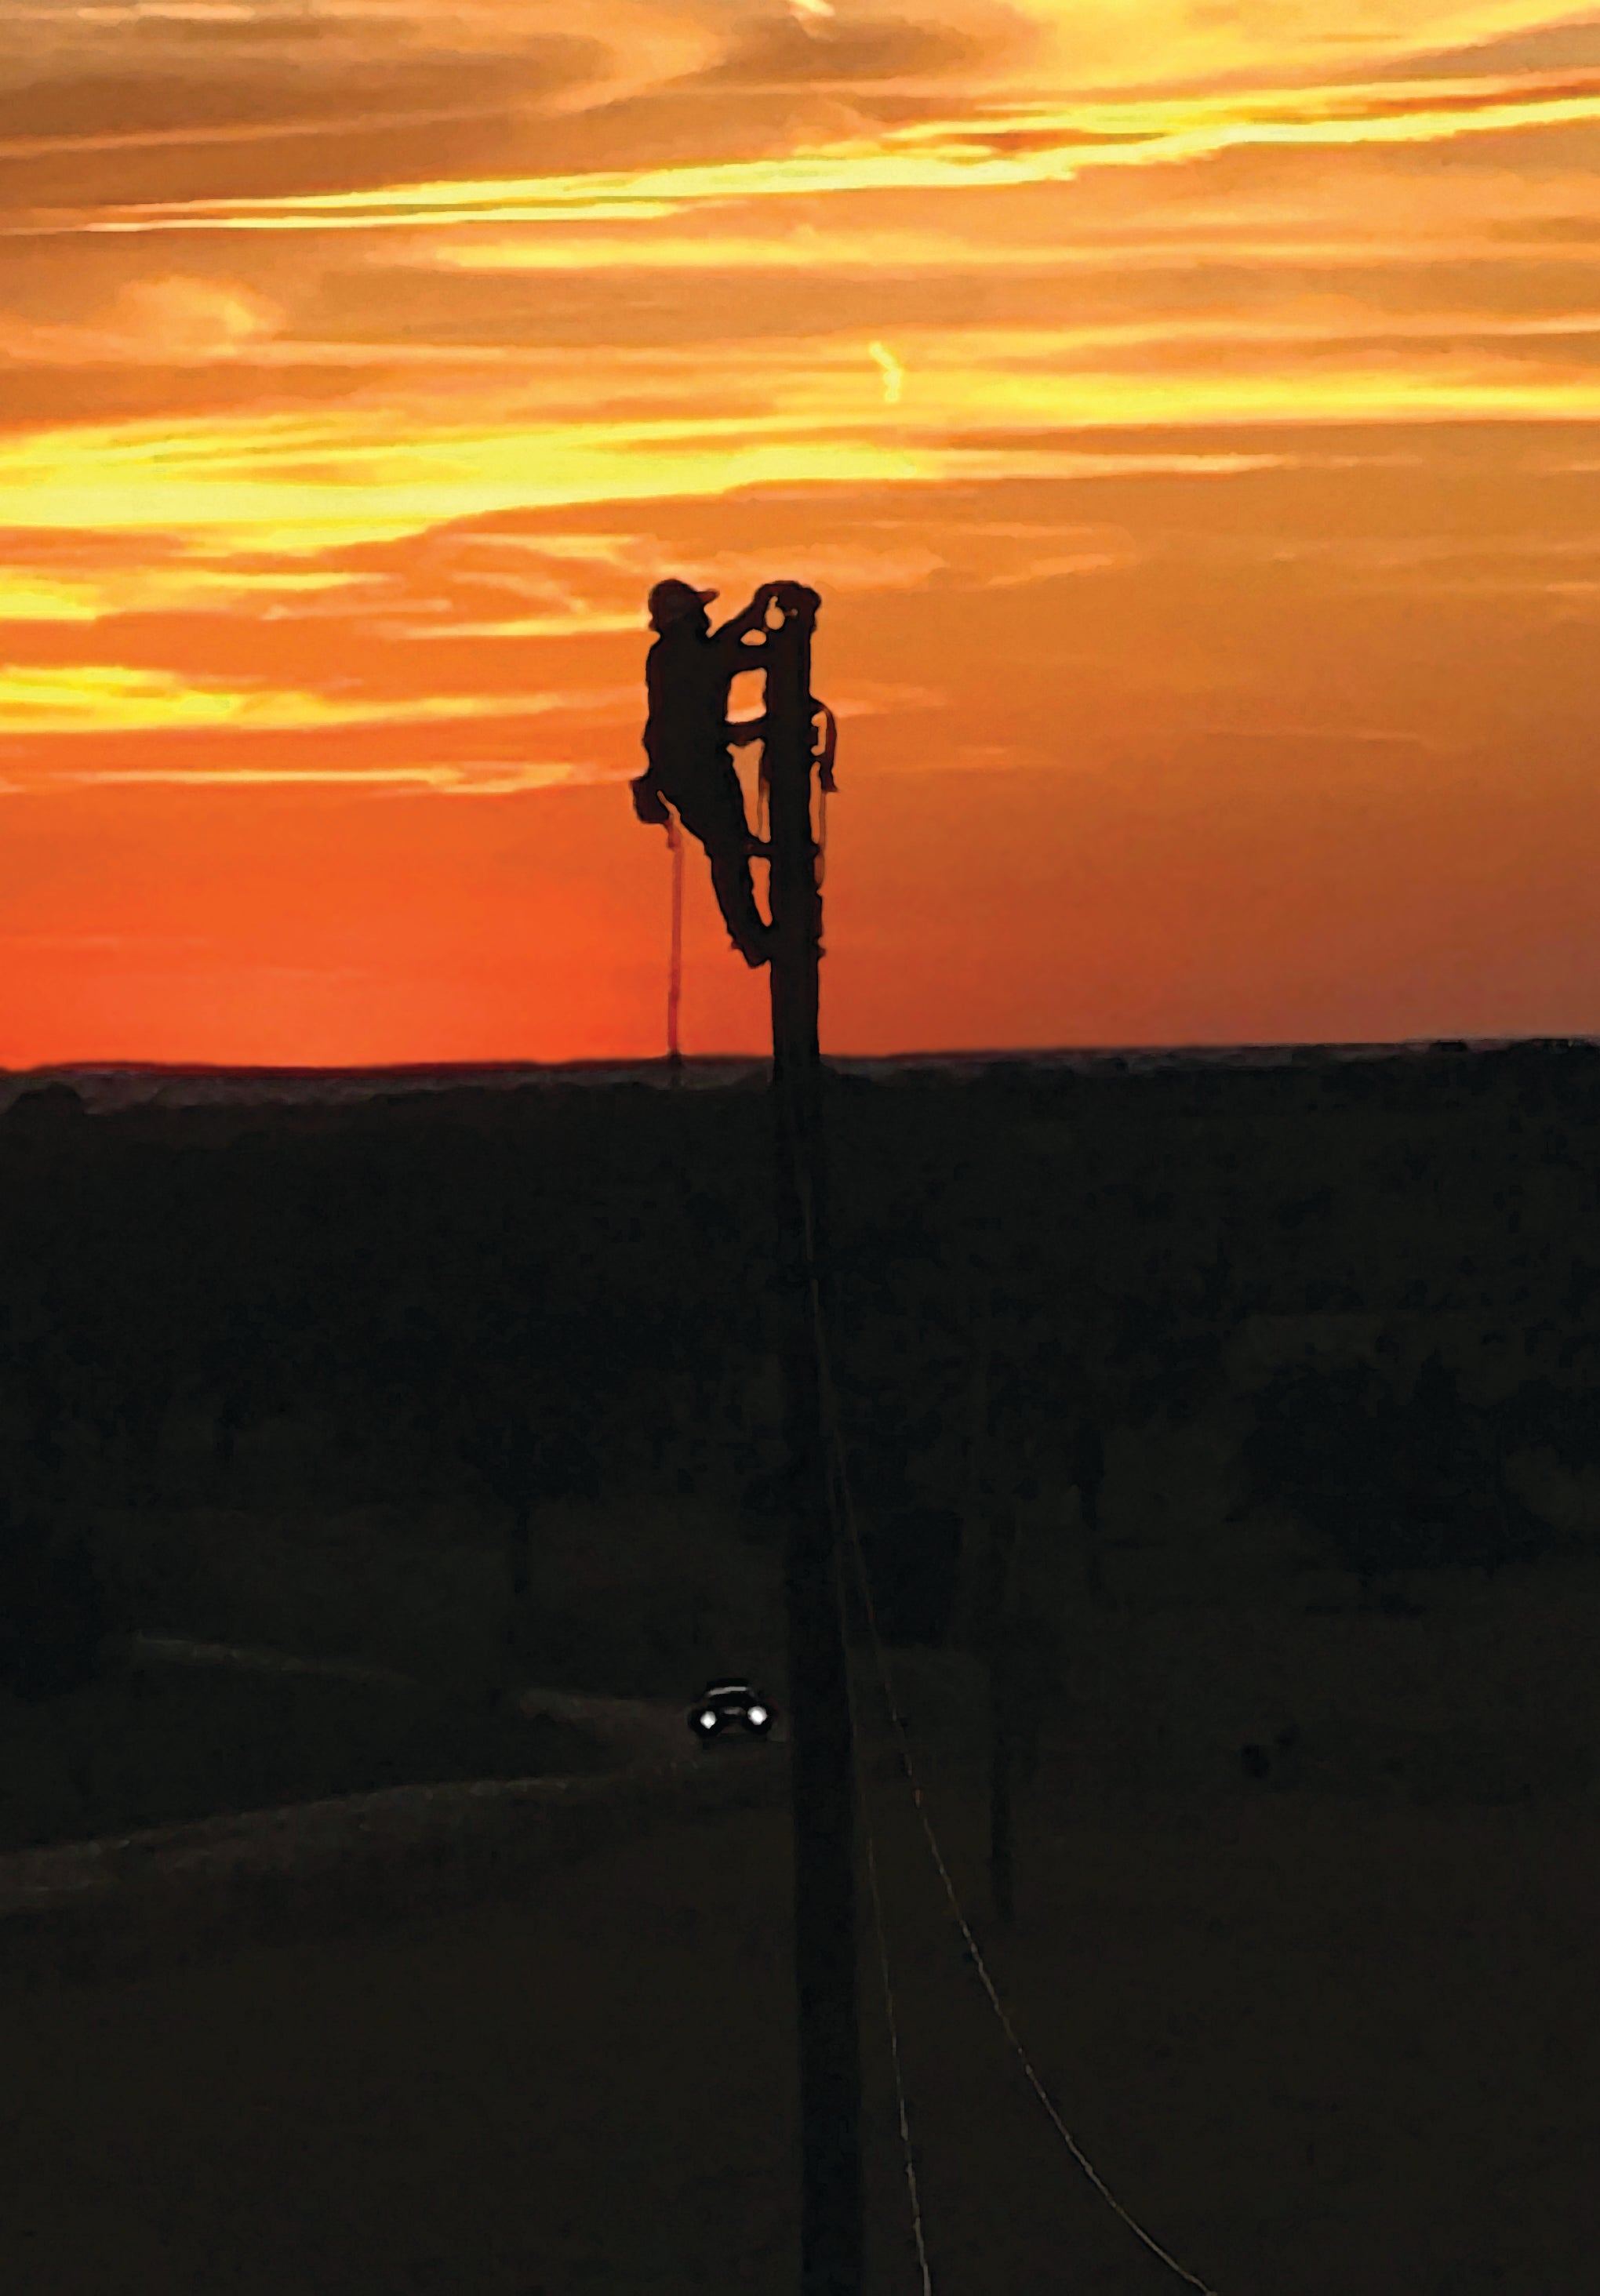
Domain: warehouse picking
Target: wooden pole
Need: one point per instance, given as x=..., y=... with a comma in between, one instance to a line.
x=993, y=1533
x=972, y=1585
x=1088, y=1469
x=821, y=1754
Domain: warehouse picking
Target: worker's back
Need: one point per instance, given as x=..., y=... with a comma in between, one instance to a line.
x=686, y=676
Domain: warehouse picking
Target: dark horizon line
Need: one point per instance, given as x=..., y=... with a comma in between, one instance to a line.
x=724, y=1059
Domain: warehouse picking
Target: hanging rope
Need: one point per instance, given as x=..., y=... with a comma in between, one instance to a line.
x=675, y=977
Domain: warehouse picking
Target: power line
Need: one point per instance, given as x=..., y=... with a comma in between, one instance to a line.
x=894, y=2038
x=838, y=1499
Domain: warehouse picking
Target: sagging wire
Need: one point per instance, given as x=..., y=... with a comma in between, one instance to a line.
x=838, y=1500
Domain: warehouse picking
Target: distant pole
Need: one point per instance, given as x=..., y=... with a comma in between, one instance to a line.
x=1000, y=1660
x=990, y=1546
x=988, y=1590
x=821, y=1753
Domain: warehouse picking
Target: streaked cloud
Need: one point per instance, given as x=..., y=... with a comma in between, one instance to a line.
x=26, y=596
x=1031, y=144
x=1185, y=412
x=94, y=695
x=469, y=778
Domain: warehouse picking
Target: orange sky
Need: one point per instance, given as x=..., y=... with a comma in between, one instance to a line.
x=1188, y=414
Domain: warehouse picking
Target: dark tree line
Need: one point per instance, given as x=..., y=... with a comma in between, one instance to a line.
x=1394, y=1483
x=564, y=1295
x=55, y=1615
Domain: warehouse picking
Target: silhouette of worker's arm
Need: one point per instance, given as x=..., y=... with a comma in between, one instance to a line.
x=740, y=731
x=733, y=633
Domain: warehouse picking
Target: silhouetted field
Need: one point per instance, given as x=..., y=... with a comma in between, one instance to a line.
x=1312, y=2044
x=480, y=1386
x=1281, y=1383
x=155, y=1742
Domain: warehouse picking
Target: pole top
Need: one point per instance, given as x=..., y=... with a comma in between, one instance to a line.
x=797, y=600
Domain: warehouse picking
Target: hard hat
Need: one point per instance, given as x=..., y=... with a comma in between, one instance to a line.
x=671, y=599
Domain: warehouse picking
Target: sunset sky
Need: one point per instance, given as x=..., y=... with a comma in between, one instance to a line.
x=1188, y=414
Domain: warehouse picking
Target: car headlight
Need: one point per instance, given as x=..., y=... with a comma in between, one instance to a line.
x=757, y=1715
x=708, y=1720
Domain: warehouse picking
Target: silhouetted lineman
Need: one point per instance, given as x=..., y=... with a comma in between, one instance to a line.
x=688, y=741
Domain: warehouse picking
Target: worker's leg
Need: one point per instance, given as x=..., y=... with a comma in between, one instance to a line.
x=716, y=818
x=710, y=798
x=737, y=898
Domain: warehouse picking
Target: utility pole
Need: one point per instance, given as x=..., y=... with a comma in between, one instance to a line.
x=821, y=1754
x=990, y=1542
x=1000, y=1663
x=988, y=1589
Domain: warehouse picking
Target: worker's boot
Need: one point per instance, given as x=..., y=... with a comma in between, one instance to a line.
x=748, y=929
x=757, y=952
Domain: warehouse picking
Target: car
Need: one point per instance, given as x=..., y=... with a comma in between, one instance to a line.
x=727, y=1706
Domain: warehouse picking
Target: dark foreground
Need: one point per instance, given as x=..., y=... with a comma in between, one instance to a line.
x=1311, y=2042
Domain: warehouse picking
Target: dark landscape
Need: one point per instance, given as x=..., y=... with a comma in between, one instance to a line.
x=1220, y=1437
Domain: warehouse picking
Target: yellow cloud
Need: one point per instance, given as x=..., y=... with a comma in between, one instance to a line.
x=96, y=697
x=1108, y=43
x=1019, y=144
x=496, y=777
x=387, y=465
x=157, y=588
x=377, y=472
x=33, y=598
x=798, y=248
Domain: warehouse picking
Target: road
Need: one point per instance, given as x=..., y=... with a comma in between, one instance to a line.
x=187, y=1893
